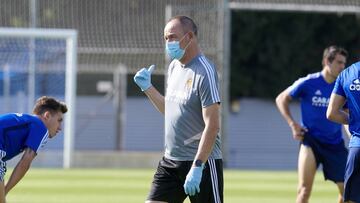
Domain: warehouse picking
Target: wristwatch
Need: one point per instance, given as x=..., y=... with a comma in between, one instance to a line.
x=198, y=163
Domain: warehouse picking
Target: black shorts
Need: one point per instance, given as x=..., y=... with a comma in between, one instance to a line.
x=167, y=185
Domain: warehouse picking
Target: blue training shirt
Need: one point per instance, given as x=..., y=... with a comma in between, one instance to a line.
x=348, y=86
x=19, y=131
x=314, y=94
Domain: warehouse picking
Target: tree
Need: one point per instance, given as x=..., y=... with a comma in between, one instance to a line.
x=269, y=50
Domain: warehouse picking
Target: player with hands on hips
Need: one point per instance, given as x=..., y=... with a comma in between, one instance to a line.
x=321, y=140
x=297, y=130
x=192, y=162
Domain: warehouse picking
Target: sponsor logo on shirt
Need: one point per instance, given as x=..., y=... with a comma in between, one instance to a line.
x=355, y=85
x=180, y=95
x=176, y=96
x=320, y=101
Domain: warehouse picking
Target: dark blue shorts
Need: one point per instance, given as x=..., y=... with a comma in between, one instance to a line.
x=170, y=176
x=331, y=156
x=352, y=176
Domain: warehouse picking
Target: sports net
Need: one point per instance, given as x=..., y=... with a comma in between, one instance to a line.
x=112, y=35
x=37, y=62
x=114, y=32
x=30, y=66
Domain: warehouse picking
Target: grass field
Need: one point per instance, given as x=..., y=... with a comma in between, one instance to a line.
x=132, y=185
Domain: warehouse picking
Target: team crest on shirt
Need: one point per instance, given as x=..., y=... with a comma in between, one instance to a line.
x=355, y=85
x=188, y=83
x=179, y=87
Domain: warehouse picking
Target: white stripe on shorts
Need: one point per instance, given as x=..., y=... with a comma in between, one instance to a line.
x=214, y=180
x=2, y=165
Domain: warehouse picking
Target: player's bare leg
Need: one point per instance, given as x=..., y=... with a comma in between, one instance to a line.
x=341, y=192
x=306, y=174
x=2, y=192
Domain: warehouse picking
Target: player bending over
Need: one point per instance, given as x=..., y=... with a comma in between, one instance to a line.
x=27, y=133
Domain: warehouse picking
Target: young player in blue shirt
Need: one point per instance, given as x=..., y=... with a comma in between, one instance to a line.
x=321, y=140
x=347, y=89
x=27, y=133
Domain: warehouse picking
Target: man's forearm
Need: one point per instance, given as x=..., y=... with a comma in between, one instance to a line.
x=19, y=171
x=156, y=99
x=282, y=103
x=21, y=168
x=285, y=112
x=206, y=144
x=339, y=117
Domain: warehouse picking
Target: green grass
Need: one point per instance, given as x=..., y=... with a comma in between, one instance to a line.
x=132, y=186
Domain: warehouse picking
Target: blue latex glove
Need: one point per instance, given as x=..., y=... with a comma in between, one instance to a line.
x=192, y=182
x=143, y=78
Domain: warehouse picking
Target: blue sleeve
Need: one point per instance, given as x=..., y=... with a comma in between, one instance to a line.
x=296, y=90
x=38, y=136
x=338, y=87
